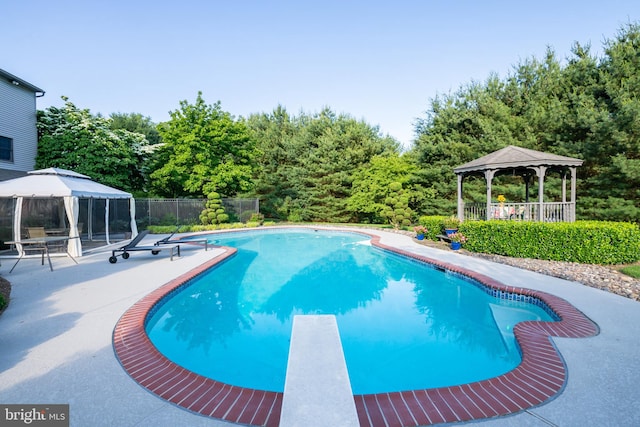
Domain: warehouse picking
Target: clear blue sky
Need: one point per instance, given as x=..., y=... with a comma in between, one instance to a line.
x=381, y=61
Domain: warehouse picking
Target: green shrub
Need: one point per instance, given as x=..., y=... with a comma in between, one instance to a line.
x=256, y=217
x=3, y=303
x=587, y=242
x=433, y=225
x=213, y=213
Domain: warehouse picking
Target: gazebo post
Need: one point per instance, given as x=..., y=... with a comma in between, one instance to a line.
x=460, y=203
x=488, y=175
x=573, y=193
x=564, y=186
x=540, y=171
x=566, y=213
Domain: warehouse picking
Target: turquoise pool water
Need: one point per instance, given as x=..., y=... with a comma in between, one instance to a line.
x=403, y=325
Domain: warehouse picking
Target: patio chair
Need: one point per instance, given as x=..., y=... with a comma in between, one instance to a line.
x=42, y=249
x=36, y=232
x=40, y=232
x=167, y=239
x=132, y=246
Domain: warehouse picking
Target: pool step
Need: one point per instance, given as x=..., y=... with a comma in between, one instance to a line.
x=317, y=391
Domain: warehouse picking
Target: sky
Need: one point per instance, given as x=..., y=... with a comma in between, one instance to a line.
x=378, y=61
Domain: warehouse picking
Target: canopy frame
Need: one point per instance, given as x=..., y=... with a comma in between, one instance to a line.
x=70, y=187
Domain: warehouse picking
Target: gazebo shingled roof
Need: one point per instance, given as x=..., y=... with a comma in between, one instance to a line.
x=513, y=157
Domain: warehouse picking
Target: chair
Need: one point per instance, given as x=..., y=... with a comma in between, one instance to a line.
x=36, y=232
x=132, y=246
x=41, y=248
x=167, y=239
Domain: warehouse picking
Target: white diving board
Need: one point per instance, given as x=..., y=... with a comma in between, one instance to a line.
x=317, y=390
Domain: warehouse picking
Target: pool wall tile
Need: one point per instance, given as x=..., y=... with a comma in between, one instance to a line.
x=539, y=377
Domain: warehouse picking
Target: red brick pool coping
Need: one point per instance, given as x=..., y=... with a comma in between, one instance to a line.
x=539, y=377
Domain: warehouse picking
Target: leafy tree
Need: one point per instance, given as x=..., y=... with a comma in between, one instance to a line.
x=136, y=123
x=204, y=150
x=74, y=139
x=372, y=185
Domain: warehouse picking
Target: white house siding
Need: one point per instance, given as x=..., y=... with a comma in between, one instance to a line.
x=18, y=121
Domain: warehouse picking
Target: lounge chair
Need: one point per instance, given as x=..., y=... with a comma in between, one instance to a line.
x=132, y=246
x=167, y=240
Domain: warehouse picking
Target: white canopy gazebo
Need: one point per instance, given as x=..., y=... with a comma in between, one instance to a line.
x=71, y=187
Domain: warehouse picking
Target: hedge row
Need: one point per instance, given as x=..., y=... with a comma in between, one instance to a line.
x=165, y=229
x=586, y=242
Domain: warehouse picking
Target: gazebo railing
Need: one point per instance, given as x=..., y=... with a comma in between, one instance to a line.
x=552, y=211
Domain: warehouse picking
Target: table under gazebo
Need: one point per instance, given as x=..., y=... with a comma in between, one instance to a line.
x=527, y=164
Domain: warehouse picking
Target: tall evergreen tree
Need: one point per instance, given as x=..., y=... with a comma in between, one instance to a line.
x=588, y=108
x=308, y=162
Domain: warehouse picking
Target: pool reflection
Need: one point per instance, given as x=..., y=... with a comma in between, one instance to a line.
x=403, y=325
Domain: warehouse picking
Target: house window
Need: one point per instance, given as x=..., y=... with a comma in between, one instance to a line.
x=6, y=148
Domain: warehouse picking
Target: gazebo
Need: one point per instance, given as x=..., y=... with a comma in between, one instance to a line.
x=525, y=163
x=67, y=202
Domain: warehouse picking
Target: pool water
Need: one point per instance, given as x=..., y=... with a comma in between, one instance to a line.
x=403, y=325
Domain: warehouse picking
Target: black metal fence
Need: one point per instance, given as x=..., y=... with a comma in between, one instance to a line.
x=187, y=211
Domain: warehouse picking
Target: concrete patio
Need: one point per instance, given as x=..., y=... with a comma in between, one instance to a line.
x=56, y=341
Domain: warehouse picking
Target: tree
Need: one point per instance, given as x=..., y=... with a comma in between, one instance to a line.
x=277, y=153
x=372, y=185
x=71, y=138
x=136, y=123
x=307, y=162
x=612, y=144
x=588, y=109
x=204, y=150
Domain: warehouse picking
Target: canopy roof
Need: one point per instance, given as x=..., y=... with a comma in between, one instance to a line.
x=54, y=182
x=516, y=157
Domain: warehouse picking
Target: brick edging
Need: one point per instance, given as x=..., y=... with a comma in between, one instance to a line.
x=540, y=376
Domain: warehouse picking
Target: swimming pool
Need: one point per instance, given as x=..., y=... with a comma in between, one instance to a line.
x=403, y=325
x=540, y=376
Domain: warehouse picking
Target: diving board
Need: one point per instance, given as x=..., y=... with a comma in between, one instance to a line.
x=317, y=389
